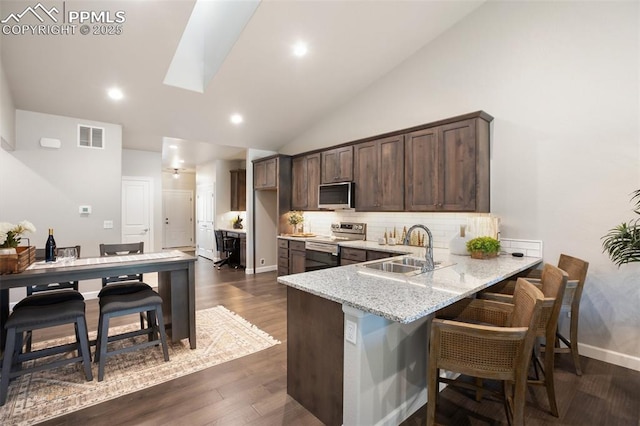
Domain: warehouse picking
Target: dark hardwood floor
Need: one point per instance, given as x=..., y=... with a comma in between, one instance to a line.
x=252, y=390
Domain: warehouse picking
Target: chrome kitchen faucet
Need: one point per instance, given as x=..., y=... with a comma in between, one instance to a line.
x=428, y=266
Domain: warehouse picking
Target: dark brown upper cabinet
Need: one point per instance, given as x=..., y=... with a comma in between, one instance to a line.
x=305, y=178
x=265, y=174
x=238, y=190
x=379, y=174
x=447, y=167
x=337, y=165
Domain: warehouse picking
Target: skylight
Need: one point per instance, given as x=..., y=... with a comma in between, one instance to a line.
x=197, y=58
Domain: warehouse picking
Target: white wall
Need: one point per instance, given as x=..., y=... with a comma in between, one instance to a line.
x=147, y=164
x=7, y=113
x=561, y=80
x=46, y=186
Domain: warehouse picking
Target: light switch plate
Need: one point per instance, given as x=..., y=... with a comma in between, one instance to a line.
x=108, y=224
x=351, y=332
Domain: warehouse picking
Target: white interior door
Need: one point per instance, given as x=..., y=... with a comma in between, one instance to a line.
x=205, y=239
x=177, y=207
x=137, y=211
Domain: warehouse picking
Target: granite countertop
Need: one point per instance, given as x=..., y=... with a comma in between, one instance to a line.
x=406, y=299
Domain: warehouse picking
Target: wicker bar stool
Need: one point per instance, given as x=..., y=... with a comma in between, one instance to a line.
x=39, y=311
x=552, y=285
x=577, y=270
x=124, y=299
x=501, y=351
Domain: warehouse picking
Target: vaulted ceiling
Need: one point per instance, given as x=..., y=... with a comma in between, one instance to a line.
x=351, y=44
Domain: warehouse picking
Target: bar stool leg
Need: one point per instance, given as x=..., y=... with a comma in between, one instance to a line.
x=83, y=346
x=163, y=333
x=103, y=338
x=7, y=362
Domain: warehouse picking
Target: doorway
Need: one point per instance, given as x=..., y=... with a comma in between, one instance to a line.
x=177, y=212
x=137, y=210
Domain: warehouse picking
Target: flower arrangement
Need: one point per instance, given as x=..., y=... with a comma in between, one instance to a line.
x=295, y=218
x=10, y=235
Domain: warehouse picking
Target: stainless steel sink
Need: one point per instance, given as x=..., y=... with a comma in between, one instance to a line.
x=405, y=265
x=396, y=268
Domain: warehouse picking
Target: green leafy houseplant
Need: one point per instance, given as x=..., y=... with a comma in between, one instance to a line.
x=622, y=243
x=483, y=247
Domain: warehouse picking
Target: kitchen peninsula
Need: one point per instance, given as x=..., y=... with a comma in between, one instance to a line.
x=357, y=338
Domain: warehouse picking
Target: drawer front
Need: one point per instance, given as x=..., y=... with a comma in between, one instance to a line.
x=296, y=245
x=283, y=243
x=353, y=254
x=283, y=262
x=283, y=253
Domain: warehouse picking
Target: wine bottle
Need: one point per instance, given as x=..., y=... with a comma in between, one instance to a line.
x=50, y=248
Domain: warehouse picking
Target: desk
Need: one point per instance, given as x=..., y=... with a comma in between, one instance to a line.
x=176, y=284
x=239, y=256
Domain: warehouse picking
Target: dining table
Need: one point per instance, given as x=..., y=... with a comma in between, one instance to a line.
x=176, y=284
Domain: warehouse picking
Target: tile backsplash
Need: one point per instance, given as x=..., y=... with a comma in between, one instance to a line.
x=443, y=226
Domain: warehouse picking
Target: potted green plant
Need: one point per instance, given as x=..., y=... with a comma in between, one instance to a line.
x=622, y=243
x=483, y=247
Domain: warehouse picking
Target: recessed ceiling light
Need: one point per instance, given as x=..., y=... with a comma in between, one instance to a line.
x=115, y=93
x=300, y=49
x=236, y=119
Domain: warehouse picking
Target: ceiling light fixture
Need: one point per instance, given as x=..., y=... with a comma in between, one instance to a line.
x=176, y=175
x=236, y=119
x=300, y=49
x=115, y=93
x=173, y=146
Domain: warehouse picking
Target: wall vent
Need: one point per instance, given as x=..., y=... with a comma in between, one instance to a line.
x=90, y=137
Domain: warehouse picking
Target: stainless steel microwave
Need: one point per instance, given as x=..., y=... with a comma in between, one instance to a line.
x=334, y=196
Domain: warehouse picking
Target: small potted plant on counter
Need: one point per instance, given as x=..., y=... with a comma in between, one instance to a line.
x=483, y=247
x=295, y=219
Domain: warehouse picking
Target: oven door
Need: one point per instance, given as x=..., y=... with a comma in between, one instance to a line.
x=320, y=256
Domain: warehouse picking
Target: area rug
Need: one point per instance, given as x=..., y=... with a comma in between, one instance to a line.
x=221, y=336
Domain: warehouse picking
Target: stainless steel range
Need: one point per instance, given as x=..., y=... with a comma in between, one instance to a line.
x=323, y=252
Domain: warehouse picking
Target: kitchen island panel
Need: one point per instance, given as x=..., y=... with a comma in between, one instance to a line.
x=315, y=348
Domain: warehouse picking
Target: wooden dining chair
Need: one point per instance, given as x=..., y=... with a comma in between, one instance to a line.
x=552, y=284
x=121, y=249
x=492, y=340
x=40, y=255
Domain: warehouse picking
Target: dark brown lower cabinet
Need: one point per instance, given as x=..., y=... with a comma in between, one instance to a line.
x=297, y=257
x=315, y=354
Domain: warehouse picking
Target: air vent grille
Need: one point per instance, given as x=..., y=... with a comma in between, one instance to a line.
x=90, y=137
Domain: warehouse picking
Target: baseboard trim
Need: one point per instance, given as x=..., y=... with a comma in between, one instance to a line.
x=266, y=269
x=610, y=357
